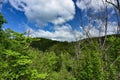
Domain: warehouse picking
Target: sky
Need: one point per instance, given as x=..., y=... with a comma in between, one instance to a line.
x=62, y=20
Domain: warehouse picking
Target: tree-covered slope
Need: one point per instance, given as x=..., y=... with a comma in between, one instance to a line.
x=43, y=44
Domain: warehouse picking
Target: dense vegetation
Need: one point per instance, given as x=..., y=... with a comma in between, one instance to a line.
x=25, y=58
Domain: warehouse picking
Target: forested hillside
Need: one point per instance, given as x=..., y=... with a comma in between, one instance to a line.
x=26, y=58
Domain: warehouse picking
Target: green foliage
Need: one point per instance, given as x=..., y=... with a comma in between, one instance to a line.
x=92, y=64
x=15, y=62
x=2, y=21
x=90, y=67
x=25, y=58
x=36, y=75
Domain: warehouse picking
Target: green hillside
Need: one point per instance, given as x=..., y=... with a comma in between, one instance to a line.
x=88, y=59
x=45, y=45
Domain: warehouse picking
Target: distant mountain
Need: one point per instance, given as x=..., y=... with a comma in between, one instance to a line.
x=44, y=44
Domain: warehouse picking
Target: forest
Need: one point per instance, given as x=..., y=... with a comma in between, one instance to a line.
x=25, y=58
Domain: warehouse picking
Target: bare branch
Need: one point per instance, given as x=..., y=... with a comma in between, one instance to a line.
x=112, y=4
x=115, y=5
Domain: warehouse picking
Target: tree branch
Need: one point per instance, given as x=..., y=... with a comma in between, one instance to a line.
x=112, y=4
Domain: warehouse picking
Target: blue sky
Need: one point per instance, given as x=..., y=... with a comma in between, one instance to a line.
x=63, y=20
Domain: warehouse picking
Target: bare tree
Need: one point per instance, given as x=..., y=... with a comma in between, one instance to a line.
x=116, y=5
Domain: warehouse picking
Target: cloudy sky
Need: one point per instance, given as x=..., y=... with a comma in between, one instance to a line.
x=63, y=20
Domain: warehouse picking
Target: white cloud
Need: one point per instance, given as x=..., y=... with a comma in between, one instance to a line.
x=84, y=4
x=95, y=32
x=57, y=12
x=66, y=33
x=61, y=33
x=42, y=12
x=94, y=4
x=112, y=28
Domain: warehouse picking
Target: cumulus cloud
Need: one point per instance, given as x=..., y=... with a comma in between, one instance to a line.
x=65, y=32
x=42, y=12
x=57, y=12
x=61, y=33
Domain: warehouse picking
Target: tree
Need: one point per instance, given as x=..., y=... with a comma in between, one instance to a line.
x=15, y=62
x=2, y=21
